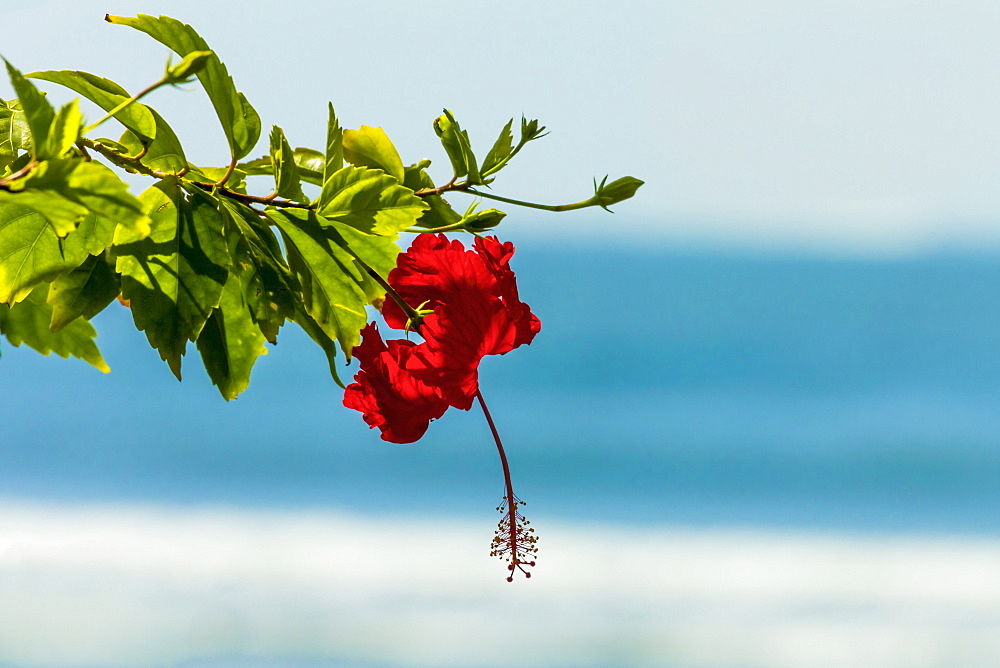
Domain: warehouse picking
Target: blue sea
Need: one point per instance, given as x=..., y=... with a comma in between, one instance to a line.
x=713, y=402
x=681, y=388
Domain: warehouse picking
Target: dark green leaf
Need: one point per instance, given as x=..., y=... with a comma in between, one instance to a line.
x=501, y=150
x=28, y=323
x=231, y=342
x=286, y=172
x=37, y=111
x=371, y=201
x=370, y=147
x=84, y=292
x=174, y=277
x=330, y=279
x=239, y=120
x=278, y=290
x=268, y=285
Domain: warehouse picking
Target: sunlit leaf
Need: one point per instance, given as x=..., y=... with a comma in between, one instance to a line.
x=286, y=172
x=28, y=323
x=38, y=112
x=146, y=128
x=334, y=156
x=65, y=190
x=65, y=129
x=371, y=201
x=456, y=144
x=370, y=147
x=30, y=252
x=240, y=121
x=107, y=95
x=14, y=133
x=501, y=150
x=163, y=153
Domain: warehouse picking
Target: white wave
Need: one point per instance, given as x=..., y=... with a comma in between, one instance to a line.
x=116, y=585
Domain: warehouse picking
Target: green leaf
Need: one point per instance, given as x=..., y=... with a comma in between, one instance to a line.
x=38, y=113
x=334, y=157
x=371, y=201
x=14, y=133
x=84, y=292
x=379, y=253
x=239, y=120
x=501, y=151
x=268, y=286
x=174, y=277
x=439, y=212
x=456, y=144
x=30, y=252
x=107, y=95
x=146, y=128
x=65, y=129
x=65, y=190
x=163, y=153
x=286, y=172
x=330, y=279
x=231, y=342
x=28, y=323
x=310, y=163
x=370, y=147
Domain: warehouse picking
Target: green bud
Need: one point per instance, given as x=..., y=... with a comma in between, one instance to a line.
x=618, y=190
x=531, y=130
x=484, y=220
x=192, y=63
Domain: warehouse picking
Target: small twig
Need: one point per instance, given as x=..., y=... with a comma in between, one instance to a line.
x=18, y=174
x=451, y=185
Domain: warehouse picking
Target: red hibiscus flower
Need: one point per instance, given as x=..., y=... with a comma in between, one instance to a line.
x=388, y=395
x=476, y=310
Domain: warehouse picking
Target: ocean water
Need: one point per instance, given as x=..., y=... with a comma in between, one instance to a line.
x=689, y=389
x=732, y=460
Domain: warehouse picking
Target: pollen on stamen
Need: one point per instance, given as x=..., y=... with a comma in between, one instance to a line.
x=514, y=542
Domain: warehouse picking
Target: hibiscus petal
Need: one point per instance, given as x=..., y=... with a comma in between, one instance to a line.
x=390, y=397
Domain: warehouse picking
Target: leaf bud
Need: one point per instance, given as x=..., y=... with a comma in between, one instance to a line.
x=192, y=63
x=531, y=130
x=484, y=220
x=618, y=190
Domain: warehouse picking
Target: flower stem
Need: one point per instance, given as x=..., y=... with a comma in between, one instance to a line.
x=532, y=205
x=514, y=540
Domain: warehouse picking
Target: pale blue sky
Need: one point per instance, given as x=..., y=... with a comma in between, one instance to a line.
x=844, y=126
